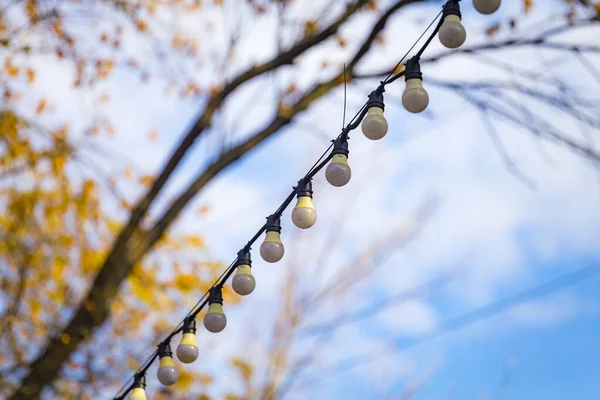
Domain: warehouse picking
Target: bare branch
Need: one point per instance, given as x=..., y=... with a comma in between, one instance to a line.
x=94, y=309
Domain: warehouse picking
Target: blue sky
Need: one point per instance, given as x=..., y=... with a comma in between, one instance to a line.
x=491, y=234
x=500, y=237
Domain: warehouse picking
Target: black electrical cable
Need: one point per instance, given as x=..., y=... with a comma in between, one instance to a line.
x=317, y=166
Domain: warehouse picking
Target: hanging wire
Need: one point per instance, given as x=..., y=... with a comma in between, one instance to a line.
x=317, y=166
x=345, y=90
x=386, y=80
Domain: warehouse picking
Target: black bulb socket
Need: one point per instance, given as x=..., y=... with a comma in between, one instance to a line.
x=139, y=381
x=340, y=146
x=413, y=69
x=451, y=8
x=243, y=258
x=273, y=223
x=164, y=350
x=215, y=295
x=376, y=98
x=189, y=325
x=304, y=188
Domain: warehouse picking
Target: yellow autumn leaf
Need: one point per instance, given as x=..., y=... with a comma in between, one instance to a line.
x=41, y=106
x=147, y=180
x=60, y=263
x=58, y=163
x=310, y=27
x=11, y=69
x=243, y=367
x=185, y=380
x=142, y=25
x=30, y=75
x=31, y=9
x=141, y=291
x=187, y=282
x=195, y=240
x=65, y=338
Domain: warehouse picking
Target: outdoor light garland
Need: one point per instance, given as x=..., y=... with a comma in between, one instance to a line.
x=415, y=99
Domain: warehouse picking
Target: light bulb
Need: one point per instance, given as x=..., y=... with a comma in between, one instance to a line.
x=243, y=282
x=415, y=98
x=167, y=372
x=304, y=214
x=374, y=126
x=452, y=32
x=338, y=172
x=271, y=250
x=187, y=351
x=486, y=6
x=139, y=385
x=215, y=320
x=138, y=393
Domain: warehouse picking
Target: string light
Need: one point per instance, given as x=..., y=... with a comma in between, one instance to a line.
x=187, y=351
x=486, y=6
x=338, y=172
x=415, y=98
x=243, y=282
x=452, y=32
x=374, y=126
x=215, y=319
x=304, y=214
x=167, y=373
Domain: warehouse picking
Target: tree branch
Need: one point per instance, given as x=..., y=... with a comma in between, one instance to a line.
x=94, y=309
x=281, y=120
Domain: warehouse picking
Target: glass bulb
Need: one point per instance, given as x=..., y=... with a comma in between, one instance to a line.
x=415, y=99
x=374, y=126
x=187, y=351
x=486, y=6
x=243, y=282
x=138, y=393
x=338, y=172
x=215, y=320
x=452, y=32
x=304, y=214
x=167, y=372
x=271, y=250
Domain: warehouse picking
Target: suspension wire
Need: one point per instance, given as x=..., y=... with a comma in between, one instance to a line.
x=413, y=46
x=317, y=166
x=345, y=90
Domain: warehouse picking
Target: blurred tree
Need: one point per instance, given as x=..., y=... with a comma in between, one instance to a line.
x=71, y=238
